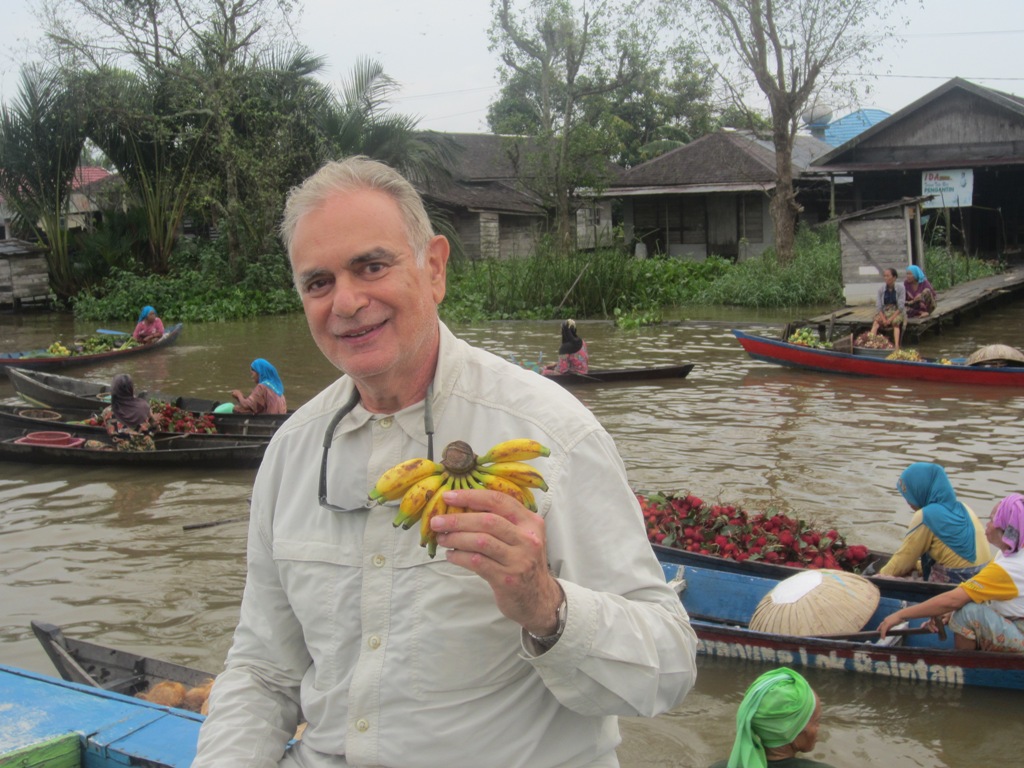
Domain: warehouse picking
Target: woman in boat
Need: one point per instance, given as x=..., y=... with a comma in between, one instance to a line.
x=944, y=534
x=268, y=394
x=572, y=355
x=890, y=306
x=987, y=612
x=920, y=294
x=128, y=419
x=778, y=718
x=149, y=328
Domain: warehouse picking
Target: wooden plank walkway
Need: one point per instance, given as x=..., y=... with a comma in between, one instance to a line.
x=951, y=305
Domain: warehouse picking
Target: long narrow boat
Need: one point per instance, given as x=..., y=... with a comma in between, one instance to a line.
x=52, y=722
x=53, y=390
x=611, y=375
x=901, y=589
x=108, y=668
x=720, y=604
x=228, y=426
x=830, y=361
x=32, y=446
x=40, y=359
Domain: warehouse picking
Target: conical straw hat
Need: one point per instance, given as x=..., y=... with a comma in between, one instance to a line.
x=817, y=602
x=996, y=353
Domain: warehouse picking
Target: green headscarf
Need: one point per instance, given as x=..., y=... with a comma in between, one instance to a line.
x=775, y=709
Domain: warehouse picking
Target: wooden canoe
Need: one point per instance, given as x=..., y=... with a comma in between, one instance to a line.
x=39, y=359
x=903, y=589
x=174, y=452
x=229, y=426
x=831, y=361
x=110, y=669
x=720, y=604
x=611, y=375
x=53, y=390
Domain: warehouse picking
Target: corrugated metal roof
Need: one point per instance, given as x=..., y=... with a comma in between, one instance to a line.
x=845, y=128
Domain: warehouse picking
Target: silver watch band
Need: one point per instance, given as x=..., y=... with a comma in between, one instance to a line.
x=561, y=614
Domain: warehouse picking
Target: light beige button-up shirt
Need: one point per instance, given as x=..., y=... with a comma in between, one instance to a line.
x=395, y=659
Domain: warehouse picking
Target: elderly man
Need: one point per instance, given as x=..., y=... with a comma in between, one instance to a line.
x=890, y=306
x=523, y=642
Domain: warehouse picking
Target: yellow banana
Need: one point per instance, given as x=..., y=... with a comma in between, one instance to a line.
x=528, y=499
x=416, y=498
x=397, y=480
x=461, y=483
x=518, y=472
x=519, y=449
x=498, y=483
x=435, y=506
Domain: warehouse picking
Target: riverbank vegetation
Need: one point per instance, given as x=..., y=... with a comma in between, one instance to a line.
x=202, y=285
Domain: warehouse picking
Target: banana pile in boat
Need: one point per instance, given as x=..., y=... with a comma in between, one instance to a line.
x=421, y=483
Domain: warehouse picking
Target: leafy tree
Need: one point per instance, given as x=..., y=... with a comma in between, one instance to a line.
x=793, y=52
x=555, y=57
x=41, y=138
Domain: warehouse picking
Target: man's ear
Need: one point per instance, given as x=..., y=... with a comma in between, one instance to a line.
x=436, y=256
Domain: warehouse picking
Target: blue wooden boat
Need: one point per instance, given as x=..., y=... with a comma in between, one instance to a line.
x=831, y=361
x=46, y=721
x=902, y=589
x=41, y=359
x=720, y=604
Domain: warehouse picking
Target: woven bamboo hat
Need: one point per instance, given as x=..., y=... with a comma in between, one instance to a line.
x=817, y=602
x=996, y=354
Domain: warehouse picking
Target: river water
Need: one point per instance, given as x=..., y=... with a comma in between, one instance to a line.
x=104, y=553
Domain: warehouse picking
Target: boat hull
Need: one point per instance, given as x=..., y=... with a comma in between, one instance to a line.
x=720, y=604
x=172, y=452
x=34, y=361
x=902, y=589
x=830, y=361
x=597, y=376
x=53, y=390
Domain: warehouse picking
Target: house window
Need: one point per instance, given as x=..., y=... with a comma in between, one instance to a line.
x=695, y=218
x=751, y=218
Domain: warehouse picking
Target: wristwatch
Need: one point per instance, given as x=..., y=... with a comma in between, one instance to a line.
x=546, y=641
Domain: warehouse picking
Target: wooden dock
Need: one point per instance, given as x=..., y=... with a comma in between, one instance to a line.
x=960, y=301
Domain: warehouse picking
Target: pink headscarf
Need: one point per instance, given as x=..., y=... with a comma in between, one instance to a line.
x=1009, y=516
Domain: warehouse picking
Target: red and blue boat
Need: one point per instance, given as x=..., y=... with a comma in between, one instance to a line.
x=856, y=364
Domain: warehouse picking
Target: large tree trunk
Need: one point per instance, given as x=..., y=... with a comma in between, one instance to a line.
x=784, y=206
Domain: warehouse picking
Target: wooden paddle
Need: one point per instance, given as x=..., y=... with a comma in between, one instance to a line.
x=866, y=635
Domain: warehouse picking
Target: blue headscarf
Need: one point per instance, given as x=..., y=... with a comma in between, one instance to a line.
x=268, y=376
x=145, y=311
x=916, y=272
x=926, y=487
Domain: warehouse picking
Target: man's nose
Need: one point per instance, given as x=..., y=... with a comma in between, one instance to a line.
x=348, y=297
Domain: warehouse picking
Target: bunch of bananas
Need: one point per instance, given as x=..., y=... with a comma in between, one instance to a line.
x=58, y=350
x=421, y=483
x=806, y=337
x=908, y=355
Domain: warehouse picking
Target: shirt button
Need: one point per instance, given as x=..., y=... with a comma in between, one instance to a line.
x=362, y=725
x=374, y=642
x=386, y=422
x=379, y=560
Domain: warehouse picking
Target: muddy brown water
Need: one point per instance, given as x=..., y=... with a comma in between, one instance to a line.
x=103, y=552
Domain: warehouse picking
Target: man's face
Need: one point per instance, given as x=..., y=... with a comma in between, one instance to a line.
x=372, y=311
x=890, y=277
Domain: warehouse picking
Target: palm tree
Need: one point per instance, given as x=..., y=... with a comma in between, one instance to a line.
x=41, y=139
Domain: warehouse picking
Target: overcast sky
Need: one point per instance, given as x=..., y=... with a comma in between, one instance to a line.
x=438, y=51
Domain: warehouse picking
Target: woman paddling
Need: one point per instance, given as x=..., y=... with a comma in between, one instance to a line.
x=268, y=394
x=572, y=354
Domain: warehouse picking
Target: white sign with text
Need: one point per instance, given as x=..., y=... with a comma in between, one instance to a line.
x=952, y=189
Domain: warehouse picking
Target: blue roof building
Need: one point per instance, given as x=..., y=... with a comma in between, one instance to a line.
x=845, y=128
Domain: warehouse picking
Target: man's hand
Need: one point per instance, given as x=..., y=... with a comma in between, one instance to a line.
x=504, y=543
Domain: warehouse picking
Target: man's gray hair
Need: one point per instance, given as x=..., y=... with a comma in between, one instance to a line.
x=355, y=173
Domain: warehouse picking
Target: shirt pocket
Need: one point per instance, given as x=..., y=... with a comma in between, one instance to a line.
x=460, y=643
x=321, y=582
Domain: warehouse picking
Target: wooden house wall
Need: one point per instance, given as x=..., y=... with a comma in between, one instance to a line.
x=23, y=278
x=959, y=128
x=732, y=225
x=518, y=235
x=868, y=247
